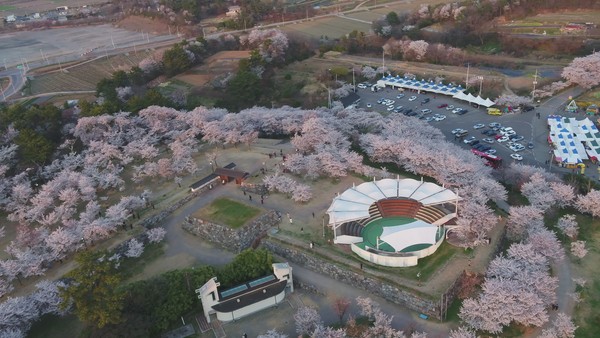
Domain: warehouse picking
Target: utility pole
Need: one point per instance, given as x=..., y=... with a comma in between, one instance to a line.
x=5, y=68
x=353, y=80
x=534, y=84
x=112, y=41
x=467, y=82
x=383, y=64
x=480, y=78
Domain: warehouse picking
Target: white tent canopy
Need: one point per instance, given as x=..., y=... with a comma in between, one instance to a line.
x=354, y=203
x=402, y=236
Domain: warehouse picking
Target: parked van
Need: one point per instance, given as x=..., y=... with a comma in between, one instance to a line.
x=494, y=111
x=462, y=133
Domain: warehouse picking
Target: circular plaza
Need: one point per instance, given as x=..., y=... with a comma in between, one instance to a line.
x=393, y=222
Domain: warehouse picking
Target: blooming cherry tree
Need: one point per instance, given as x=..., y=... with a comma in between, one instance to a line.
x=584, y=71
x=578, y=249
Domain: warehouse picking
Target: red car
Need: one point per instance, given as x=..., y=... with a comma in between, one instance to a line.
x=443, y=105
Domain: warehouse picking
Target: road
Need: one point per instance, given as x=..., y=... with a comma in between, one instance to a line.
x=17, y=81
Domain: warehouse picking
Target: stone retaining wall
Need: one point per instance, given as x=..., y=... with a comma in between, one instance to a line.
x=230, y=239
x=153, y=221
x=385, y=290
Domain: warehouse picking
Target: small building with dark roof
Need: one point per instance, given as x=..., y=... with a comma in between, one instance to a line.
x=248, y=298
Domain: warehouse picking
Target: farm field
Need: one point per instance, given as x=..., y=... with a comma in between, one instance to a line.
x=67, y=44
x=219, y=64
x=21, y=7
x=85, y=76
x=376, y=13
x=559, y=18
x=332, y=27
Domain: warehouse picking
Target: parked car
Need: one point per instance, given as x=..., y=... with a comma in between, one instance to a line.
x=429, y=118
x=469, y=139
x=488, y=140
x=425, y=111
x=516, y=157
x=369, y=105
x=443, y=105
x=456, y=110
x=462, y=112
x=450, y=107
x=494, y=125
x=412, y=98
x=530, y=145
x=479, y=126
x=490, y=151
x=528, y=108
x=518, y=138
x=502, y=139
x=462, y=133
x=454, y=131
x=425, y=100
x=485, y=148
x=362, y=86
x=440, y=117
x=390, y=108
x=399, y=96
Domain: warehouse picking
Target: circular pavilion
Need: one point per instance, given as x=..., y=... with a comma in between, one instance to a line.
x=393, y=222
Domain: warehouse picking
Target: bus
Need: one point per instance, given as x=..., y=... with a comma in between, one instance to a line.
x=491, y=160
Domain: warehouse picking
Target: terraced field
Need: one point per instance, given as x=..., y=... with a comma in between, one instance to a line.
x=84, y=76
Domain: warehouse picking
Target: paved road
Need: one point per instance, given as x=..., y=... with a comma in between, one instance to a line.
x=17, y=80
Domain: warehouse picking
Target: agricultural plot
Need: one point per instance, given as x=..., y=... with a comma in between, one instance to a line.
x=216, y=65
x=85, y=76
x=399, y=7
x=332, y=27
x=22, y=7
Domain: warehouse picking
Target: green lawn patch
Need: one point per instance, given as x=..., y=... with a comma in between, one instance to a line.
x=7, y=8
x=227, y=212
x=53, y=326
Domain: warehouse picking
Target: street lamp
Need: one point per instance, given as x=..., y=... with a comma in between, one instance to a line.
x=212, y=167
x=480, y=78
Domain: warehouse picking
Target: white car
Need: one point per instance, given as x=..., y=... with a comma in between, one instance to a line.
x=390, y=102
x=425, y=111
x=494, y=125
x=369, y=105
x=412, y=98
x=508, y=133
x=517, y=147
x=390, y=108
x=450, y=107
x=490, y=151
x=503, y=139
x=362, y=86
x=469, y=139
x=516, y=157
x=479, y=126
x=488, y=140
x=440, y=118
x=400, y=96
x=456, y=110
x=457, y=130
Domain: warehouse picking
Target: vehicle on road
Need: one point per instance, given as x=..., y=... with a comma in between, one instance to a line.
x=517, y=138
x=517, y=157
x=494, y=111
x=362, y=86
x=491, y=160
x=412, y=98
x=530, y=145
x=488, y=140
x=469, y=139
x=443, y=105
x=528, y=108
x=479, y=126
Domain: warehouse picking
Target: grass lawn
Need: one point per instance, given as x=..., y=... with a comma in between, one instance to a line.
x=7, y=8
x=227, y=212
x=52, y=326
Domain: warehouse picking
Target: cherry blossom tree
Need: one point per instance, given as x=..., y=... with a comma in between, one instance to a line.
x=273, y=333
x=270, y=43
x=134, y=248
x=562, y=327
x=590, y=203
x=521, y=217
x=368, y=72
x=462, y=332
x=307, y=320
x=156, y=235
x=578, y=249
x=512, y=100
x=568, y=225
x=584, y=71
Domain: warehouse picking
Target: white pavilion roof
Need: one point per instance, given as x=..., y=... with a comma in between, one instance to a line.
x=354, y=203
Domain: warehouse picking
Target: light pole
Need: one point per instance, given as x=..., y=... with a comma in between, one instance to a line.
x=323, y=226
x=480, y=78
x=534, y=84
x=212, y=167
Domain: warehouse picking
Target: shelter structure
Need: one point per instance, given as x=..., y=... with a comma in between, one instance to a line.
x=229, y=174
x=248, y=298
x=393, y=222
x=456, y=92
x=574, y=141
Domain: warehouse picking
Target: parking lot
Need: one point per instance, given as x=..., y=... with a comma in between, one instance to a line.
x=521, y=123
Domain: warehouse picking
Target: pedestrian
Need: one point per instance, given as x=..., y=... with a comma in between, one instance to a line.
x=281, y=151
x=361, y=266
x=311, y=245
x=302, y=229
x=262, y=201
x=250, y=197
x=313, y=215
x=244, y=191
x=291, y=222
